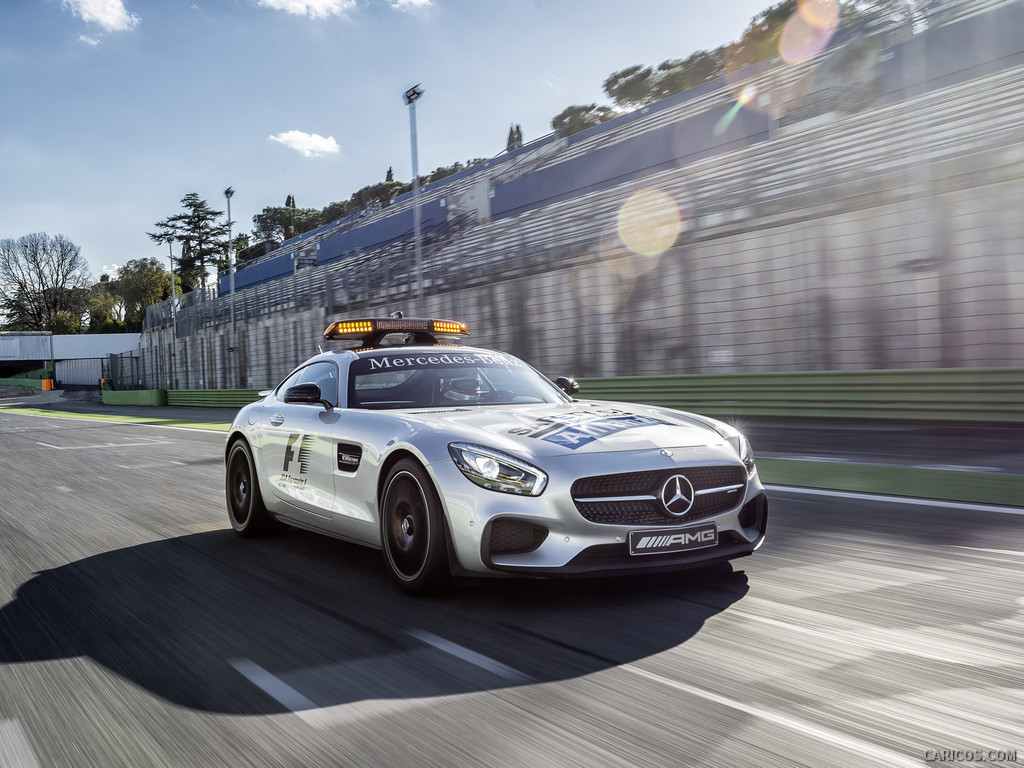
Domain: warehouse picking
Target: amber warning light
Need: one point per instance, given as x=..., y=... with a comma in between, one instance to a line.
x=364, y=330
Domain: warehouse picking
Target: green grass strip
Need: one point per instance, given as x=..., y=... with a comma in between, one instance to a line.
x=939, y=484
x=217, y=426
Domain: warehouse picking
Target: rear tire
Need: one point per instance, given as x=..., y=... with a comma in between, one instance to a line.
x=413, y=530
x=246, y=511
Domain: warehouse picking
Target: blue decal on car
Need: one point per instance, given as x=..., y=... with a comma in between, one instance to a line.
x=577, y=435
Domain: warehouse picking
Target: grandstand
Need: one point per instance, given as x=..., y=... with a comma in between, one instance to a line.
x=933, y=111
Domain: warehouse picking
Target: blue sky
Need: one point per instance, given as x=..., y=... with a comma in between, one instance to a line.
x=115, y=109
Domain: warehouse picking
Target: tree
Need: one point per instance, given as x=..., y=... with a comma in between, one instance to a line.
x=632, y=87
x=240, y=245
x=760, y=40
x=140, y=283
x=41, y=276
x=279, y=223
x=64, y=323
x=203, y=238
x=579, y=117
x=675, y=76
x=106, y=312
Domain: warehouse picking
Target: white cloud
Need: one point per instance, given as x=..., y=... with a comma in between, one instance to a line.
x=109, y=14
x=308, y=144
x=315, y=9
x=409, y=5
x=88, y=40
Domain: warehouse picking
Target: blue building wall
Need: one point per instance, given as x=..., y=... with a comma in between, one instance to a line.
x=667, y=147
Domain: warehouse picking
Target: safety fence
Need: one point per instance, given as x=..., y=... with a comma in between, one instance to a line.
x=949, y=394
x=123, y=370
x=961, y=394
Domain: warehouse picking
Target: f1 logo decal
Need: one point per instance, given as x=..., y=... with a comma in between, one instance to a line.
x=305, y=445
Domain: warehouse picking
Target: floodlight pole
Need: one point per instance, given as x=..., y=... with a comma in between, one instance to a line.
x=230, y=267
x=174, y=293
x=411, y=96
x=231, y=264
x=172, y=379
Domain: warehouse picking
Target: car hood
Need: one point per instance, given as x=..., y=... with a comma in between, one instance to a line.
x=575, y=428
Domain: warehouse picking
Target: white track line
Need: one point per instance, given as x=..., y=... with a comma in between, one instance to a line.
x=98, y=417
x=15, y=751
x=273, y=686
x=474, y=658
x=898, y=499
x=859, y=747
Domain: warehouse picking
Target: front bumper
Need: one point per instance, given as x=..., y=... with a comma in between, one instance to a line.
x=496, y=533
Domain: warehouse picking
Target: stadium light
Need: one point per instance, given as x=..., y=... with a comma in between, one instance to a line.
x=411, y=96
x=174, y=293
x=231, y=267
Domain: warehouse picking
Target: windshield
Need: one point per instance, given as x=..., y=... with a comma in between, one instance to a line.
x=404, y=379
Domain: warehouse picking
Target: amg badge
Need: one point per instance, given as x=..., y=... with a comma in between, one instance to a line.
x=673, y=539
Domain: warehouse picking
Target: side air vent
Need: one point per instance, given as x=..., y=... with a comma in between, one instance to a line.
x=349, y=456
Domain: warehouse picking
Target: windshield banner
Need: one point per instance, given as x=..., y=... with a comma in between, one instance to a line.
x=398, y=362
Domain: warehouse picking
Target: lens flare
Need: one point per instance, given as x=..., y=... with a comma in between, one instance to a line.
x=726, y=120
x=797, y=42
x=801, y=41
x=822, y=14
x=649, y=223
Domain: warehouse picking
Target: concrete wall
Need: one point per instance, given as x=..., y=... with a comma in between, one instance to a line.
x=94, y=345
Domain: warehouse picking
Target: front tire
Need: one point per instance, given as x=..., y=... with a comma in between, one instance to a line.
x=413, y=531
x=246, y=511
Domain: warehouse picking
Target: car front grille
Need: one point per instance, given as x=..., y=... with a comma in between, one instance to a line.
x=632, y=498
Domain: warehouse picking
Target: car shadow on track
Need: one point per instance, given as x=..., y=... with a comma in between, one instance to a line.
x=189, y=619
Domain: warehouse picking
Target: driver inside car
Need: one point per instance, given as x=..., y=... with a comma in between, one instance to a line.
x=465, y=389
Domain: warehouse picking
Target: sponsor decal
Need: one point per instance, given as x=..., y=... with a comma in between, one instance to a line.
x=398, y=362
x=574, y=430
x=298, y=450
x=673, y=540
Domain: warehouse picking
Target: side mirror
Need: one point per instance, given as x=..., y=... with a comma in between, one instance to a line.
x=568, y=385
x=307, y=393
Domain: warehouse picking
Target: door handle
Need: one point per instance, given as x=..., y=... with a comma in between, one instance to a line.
x=277, y=420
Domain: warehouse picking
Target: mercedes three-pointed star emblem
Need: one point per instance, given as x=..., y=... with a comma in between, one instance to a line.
x=677, y=495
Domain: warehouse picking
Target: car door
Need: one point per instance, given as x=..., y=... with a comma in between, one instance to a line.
x=298, y=446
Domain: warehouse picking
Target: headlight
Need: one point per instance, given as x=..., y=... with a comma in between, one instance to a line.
x=498, y=471
x=743, y=449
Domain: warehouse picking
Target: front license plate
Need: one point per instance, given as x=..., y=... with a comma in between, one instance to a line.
x=673, y=539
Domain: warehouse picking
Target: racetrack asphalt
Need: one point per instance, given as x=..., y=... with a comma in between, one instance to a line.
x=976, y=463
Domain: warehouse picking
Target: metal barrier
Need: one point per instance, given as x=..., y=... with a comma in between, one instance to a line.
x=949, y=394
x=212, y=398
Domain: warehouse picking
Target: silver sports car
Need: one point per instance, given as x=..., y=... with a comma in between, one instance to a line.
x=456, y=460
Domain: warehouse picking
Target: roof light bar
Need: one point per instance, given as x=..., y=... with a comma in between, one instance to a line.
x=372, y=330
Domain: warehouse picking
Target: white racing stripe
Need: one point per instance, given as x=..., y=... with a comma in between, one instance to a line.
x=15, y=751
x=858, y=747
x=898, y=499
